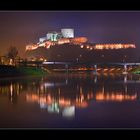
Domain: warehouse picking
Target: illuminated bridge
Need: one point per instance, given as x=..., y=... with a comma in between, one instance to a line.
x=74, y=66
x=78, y=63
x=93, y=66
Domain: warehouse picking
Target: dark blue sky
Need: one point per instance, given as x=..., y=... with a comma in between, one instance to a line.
x=20, y=28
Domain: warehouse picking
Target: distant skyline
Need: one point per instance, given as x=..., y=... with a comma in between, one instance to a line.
x=18, y=28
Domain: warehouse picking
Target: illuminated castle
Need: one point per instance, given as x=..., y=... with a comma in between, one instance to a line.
x=54, y=38
x=67, y=36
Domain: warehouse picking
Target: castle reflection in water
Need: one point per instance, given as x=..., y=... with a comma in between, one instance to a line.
x=63, y=95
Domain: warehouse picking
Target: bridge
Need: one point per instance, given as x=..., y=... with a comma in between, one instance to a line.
x=80, y=63
x=67, y=66
x=91, y=64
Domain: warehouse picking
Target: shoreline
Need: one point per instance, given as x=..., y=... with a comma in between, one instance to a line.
x=14, y=72
x=7, y=71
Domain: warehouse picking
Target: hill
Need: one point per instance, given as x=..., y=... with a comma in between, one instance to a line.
x=67, y=52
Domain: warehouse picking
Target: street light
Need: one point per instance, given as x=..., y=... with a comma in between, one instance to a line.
x=124, y=58
x=79, y=57
x=77, y=60
x=102, y=56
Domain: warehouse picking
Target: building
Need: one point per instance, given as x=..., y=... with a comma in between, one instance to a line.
x=79, y=40
x=42, y=39
x=52, y=36
x=55, y=36
x=67, y=33
x=31, y=47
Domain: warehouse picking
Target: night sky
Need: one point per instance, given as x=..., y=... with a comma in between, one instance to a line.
x=20, y=28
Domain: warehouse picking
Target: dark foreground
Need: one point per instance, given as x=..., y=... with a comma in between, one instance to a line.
x=18, y=71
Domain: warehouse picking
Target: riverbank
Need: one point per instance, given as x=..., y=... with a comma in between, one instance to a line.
x=136, y=71
x=12, y=71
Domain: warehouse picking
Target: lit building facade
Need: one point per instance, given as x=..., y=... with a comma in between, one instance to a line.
x=63, y=41
x=31, y=47
x=67, y=33
x=79, y=40
x=53, y=36
x=114, y=46
x=42, y=39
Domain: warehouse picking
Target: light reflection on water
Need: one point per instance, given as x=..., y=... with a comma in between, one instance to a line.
x=64, y=94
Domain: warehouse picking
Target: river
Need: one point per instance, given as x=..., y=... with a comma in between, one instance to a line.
x=70, y=101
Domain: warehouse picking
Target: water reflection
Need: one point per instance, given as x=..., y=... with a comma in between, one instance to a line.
x=12, y=90
x=115, y=97
x=63, y=95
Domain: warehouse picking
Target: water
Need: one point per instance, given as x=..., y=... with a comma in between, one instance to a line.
x=70, y=101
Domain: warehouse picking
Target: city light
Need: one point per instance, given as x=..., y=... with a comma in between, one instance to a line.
x=114, y=46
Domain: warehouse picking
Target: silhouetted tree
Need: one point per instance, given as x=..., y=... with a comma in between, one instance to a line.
x=12, y=53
